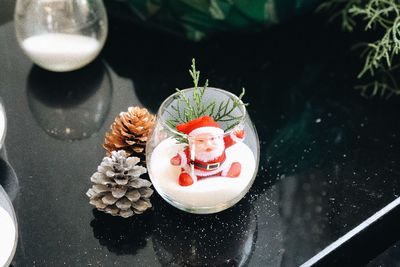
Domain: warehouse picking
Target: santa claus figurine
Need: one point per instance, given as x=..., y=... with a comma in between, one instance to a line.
x=207, y=140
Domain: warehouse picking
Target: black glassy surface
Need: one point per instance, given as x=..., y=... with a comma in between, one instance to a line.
x=329, y=157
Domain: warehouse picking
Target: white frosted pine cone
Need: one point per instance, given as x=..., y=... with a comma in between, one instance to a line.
x=118, y=188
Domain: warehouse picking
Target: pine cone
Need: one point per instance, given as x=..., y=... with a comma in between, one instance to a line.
x=130, y=131
x=117, y=188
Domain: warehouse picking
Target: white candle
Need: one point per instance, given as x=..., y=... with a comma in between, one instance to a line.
x=61, y=52
x=7, y=237
x=206, y=192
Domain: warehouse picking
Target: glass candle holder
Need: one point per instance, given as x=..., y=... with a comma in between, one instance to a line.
x=203, y=166
x=8, y=221
x=61, y=35
x=8, y=229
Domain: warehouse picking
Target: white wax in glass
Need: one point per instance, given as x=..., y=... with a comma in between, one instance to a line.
x=7, y=236
x=206, y=192
x=60, y=51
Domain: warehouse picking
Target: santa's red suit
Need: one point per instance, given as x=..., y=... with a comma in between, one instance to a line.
x=219, y=165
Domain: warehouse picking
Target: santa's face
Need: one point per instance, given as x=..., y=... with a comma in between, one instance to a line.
x=207, y=146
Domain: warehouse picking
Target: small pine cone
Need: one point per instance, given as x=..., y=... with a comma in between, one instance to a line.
x=118, y=188
x=130, y=131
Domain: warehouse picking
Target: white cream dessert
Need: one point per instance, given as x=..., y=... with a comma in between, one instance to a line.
x=60, y=51
x=206, y=192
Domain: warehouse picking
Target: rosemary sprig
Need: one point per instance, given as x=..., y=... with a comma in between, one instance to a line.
x=187, y=109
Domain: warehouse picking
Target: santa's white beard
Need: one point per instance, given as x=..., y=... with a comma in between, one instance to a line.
x=216, y=152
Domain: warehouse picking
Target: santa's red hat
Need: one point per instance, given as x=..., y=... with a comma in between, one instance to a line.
x=204, y=124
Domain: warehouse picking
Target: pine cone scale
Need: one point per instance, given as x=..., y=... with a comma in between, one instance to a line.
x=121, y=181
x=146, y=192
x=99, y=188
x=141, y=205
x=133, y=195
x=123, y=203
x=138, y=183
x=126, y=213
x=100, y=178
x=109, y=199
x=119, y=192
x=98, y=203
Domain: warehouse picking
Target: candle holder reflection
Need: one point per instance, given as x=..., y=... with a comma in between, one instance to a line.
x=8, y=179
x=224, y=239
x=72, y=105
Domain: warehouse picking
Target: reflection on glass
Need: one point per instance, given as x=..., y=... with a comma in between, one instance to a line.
x=8, y=179
x=72, y=105
x=122, y=236
x=304, y=210
x=224, y=239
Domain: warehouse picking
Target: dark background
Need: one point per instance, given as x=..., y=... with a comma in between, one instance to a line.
x=329, y=157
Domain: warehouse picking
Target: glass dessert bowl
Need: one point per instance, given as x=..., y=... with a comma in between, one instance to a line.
x=203, y=154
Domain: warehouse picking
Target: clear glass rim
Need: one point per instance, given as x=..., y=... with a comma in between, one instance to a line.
x=170, y=98
x=100, y=16
x=3, y=115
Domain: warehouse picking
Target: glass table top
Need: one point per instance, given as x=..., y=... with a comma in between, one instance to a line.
x=329, y=157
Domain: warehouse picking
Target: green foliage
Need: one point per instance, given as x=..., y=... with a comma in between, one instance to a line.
x=188, y=109
x=185, y=109
x=382, y=17
x=198, y=19
x=386, y=15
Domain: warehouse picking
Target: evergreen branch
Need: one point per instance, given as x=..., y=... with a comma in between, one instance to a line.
x=386, y=15
x=343, y=7
x=187, y=109
x=210, y=107
x=171, y=123
x=233, y=125
x=385, y=85
x=374, y=88
x=382, y=17
x=231, y=118
x=235, y=103
x=177, y=110
x=195, y=74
